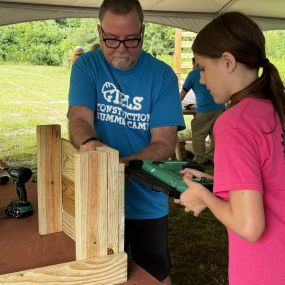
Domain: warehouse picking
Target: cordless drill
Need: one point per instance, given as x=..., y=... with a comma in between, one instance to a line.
x=22, y=207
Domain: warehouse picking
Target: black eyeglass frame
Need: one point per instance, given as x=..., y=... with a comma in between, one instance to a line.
x=121, y=41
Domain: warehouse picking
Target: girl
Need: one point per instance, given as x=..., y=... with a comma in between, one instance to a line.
x=249, y=174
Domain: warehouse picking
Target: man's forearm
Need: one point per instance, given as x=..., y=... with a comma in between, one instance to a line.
x=182, y=94
x=155, y=151
x=79, y=131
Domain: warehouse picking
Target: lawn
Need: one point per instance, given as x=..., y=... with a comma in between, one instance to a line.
x=29, y=96
x=36, y=95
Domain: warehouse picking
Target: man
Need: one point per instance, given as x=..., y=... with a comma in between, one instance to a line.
x=207, y=112
x=122, y=97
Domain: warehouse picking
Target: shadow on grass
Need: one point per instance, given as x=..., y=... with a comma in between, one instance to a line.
x=198, y=248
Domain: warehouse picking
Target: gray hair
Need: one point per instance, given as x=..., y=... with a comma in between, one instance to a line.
x=120, y=7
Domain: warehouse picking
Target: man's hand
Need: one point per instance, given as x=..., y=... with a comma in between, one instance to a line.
x=91, y=145
x=81, y=127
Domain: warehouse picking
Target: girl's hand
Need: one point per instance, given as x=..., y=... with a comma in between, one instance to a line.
x=192, y=197
x=195, y=172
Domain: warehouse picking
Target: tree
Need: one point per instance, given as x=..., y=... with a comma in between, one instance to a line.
x=159, y=40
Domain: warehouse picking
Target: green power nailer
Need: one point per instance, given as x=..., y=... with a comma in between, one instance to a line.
x=21, y=207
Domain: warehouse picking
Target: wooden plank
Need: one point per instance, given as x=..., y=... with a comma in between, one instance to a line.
x=186, y=65
x=49, y=179
x=182, y=51
x=187, y=55
x=68, y=205
x=67, y=159
x=68, y=224
x=107, y=270
x=113, y=198
x=113, y=201
x=121, y=207
x=186, y=44
x=177, y=50
x=68, y=196
x=68, y=191
x=187, y=34
x=91, y=204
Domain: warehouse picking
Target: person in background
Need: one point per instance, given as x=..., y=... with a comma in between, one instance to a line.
x=118, y=96
x=95, y=46
x=207, y=111
x=79, y=50
x=249, y=178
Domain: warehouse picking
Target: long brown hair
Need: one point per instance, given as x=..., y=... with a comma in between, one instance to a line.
x=237, y=34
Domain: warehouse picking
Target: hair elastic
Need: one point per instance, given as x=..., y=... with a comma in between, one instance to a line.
x=264, y=62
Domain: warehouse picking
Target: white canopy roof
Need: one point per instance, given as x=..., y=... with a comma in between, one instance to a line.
x=186, y=14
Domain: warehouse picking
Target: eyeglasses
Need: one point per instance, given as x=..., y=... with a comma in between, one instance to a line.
x=115, y=43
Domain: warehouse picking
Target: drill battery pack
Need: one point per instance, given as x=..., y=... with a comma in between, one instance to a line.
x=17, y=209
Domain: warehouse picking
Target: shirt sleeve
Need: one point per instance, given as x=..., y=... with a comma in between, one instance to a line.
x=82, y=91
x=237, y=162
x=167, y=109
x=187, y=85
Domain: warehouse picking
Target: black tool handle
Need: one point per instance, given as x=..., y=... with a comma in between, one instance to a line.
x=20, y=176
x=21, y=191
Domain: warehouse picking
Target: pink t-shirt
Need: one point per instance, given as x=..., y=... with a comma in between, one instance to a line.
x=249, y=155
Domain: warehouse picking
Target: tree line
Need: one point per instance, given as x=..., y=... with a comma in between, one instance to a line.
x=52, y=42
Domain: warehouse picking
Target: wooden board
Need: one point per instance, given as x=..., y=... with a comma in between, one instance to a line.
x=49, y=178
x=105, y=270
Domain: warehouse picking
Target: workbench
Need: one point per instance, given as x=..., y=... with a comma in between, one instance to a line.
x=23, y=248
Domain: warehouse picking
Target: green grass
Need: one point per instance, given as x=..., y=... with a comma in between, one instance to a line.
x=280, y=65
x=198, y=248
x=29, y=96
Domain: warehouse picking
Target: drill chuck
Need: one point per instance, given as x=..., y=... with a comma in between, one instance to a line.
x=20, y=174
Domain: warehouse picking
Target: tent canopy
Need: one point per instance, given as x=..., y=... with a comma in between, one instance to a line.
x=186, y=14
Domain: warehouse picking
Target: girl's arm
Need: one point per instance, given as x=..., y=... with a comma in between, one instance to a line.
x=242, y=214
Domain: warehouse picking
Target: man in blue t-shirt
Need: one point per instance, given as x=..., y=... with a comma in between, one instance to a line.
x=207, y=111
x=123, y=97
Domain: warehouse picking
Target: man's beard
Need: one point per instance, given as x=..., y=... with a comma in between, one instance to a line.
x=122, y=62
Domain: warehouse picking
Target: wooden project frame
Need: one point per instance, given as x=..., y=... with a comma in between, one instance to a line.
x=81, y=194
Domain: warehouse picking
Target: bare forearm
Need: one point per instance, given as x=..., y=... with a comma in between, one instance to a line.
x=220, y=209
x=80, y=130
x=155, y=151
x=243, y=213
x=162, y=145
x=182, y=94
x=244, y=216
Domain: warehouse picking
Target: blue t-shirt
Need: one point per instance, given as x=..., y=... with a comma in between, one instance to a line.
x=204, y=100
x=126, y=105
